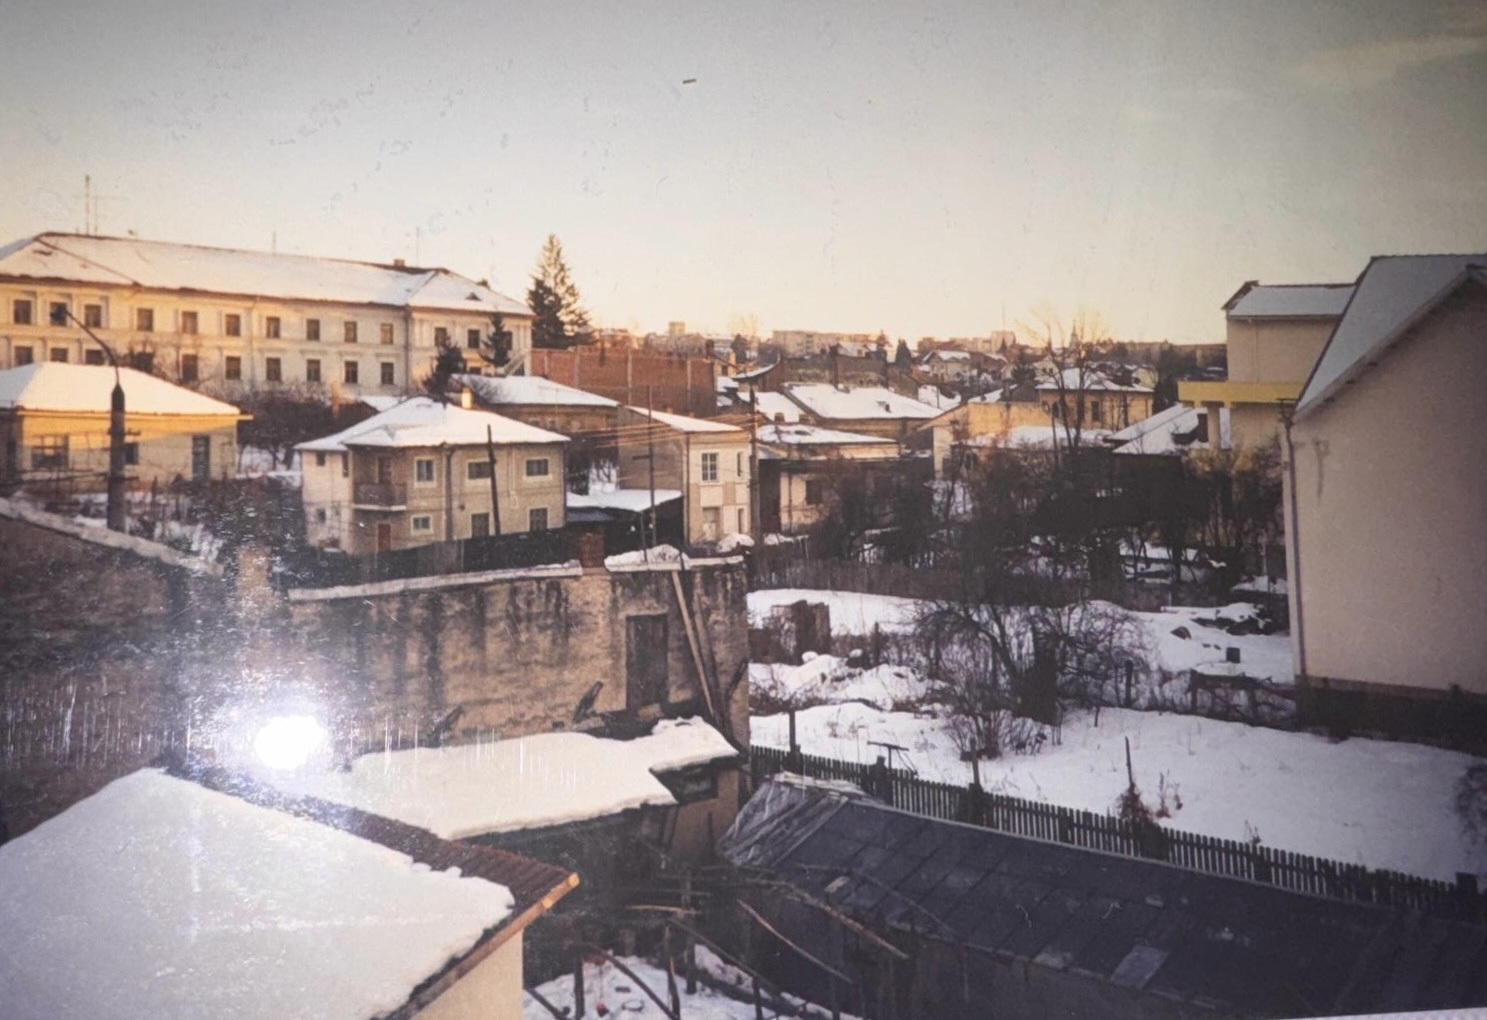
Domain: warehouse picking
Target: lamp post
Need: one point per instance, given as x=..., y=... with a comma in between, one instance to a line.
x=116, y=479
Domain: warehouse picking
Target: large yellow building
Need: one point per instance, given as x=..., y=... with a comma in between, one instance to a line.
x=234, y=322
x=54, y=429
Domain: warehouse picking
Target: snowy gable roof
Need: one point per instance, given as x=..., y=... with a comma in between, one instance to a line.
x=157, y=897
x=812, y=435
x=777, y=407
x=1289, y=301
x=523, y=783
x=861, y=402
x=632, y=501
x=1089, y=380
x=530, y=389
x=1393, y=293
x=1167, y=432
x=683, y=423
x=162, y=265
x=424, y=422
x=56, y=386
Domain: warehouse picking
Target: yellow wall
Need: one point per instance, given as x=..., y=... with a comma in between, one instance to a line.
x=164, y=444
x=1275, y=350
x=491, y=991
x=1392, y=498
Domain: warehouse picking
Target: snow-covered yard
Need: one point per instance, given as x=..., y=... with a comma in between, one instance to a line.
x=1382, y=804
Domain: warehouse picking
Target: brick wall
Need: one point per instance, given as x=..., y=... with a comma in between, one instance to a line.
x=671, y=382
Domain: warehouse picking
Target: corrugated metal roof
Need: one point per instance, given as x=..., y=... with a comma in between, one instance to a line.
x=1391, y=295
x=1252, y=949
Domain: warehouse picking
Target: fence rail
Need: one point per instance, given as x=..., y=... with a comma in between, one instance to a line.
x=1228, y=858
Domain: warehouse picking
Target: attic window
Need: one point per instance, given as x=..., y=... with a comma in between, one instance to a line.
x=472, y=296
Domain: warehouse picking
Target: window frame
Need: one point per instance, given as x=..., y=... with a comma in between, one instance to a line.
x=545, y=472
x=273, y=370
x=144, y=320
x=419, y=463
x=312, y=370
x=426, y=529
x=388, y=373
x=50, y=453
x=532, y=518
x=273, y=327
x=93, y=316
x=385, y=333
x=351, y=373
x=348, y=331
x=190, y=323
x=232, y=368
x=312, y=329
x=709, y=468
x=478, y=470
x=23, y=312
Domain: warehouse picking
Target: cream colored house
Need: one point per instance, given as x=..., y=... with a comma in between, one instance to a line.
x=1386, y=499
x=54, y=422
x=708, y=461
x=233, y=321
x=421, y=472
x=1274, y=335
x=164, y=895
x=799, y=466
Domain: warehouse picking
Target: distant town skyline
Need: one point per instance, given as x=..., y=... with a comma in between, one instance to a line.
x=922, y=171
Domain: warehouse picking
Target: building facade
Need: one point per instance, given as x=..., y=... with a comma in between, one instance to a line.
x=237, y=322
x=708, y=461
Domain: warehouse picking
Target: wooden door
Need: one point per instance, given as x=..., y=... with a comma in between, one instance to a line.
x=645, y=660
x=384, y=538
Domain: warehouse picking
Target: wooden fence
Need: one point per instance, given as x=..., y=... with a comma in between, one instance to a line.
x=1228, y=858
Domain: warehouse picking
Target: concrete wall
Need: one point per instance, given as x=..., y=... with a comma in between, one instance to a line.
x=1275, y=350
x=1391, y=500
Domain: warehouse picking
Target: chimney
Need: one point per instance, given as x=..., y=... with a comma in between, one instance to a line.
x=467, y=398
x=399, y=264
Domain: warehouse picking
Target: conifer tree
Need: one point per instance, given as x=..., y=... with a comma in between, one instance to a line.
x=558, y=317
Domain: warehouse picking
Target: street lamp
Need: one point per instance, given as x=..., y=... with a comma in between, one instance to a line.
x=60, y=314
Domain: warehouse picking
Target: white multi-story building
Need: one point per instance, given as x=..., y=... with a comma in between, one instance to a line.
x=236, y=322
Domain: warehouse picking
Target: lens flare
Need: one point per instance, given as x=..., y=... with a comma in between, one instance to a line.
x=287, y=741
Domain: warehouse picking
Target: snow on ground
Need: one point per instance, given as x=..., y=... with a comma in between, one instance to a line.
x=1379, y=803
x=826, y=679
x=1266, y=656
x=179, y=901
x=523, y=783
x=608, y=991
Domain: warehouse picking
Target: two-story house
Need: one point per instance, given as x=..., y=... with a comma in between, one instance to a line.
x=236, y=322
x=423, y=471
x=1274, y=336
x=801, y=465
x=707, y=461
x=870, y=410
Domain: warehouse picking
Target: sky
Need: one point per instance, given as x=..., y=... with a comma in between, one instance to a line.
x=920, y=169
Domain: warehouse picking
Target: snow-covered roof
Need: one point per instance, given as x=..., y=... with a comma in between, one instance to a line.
x=827, y=401
x=160, y=265
x=1289, y=301
x=1391, y=295
x=630, y=500
x=157, y=897
x=1159, y=434
x=423, y=421
x=1089, y=380
x=726, y=384
x=523, y=783
x=948, y=355
x=530, y=389
x=1042, y=437
x=56, y=386
x=812, y=435
x=932, y=396
x=777, y=407
x=683, y=423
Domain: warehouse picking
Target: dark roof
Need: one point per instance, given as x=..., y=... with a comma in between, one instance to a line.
x=1143, y=925
x=1288, y=300
x=536, y=887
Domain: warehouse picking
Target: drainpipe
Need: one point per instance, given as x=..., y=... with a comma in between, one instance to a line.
x=1287, y=416
x=448, y=492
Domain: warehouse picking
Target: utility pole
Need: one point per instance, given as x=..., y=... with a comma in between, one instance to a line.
x=755, y=489
x=650, y=442
x=490, y=454
x=116, y=434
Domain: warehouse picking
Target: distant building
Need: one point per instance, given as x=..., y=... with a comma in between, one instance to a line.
x=707, y=461
x=54, y=422
x=871, y=410
x=238, y=322
x=1093, y=399
x=1275, y=334
x=799, y=466
x=1386, y=501
x=421, y=472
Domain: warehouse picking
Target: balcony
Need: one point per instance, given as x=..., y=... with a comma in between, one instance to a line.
x=379, y=496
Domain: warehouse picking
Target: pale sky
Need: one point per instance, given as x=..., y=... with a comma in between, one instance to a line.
x=915, y=168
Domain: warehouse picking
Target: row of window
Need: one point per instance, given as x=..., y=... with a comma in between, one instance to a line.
x=480, y=523
x=51, y=453
x=59, y=313
x=710, y=467
x=425, y=468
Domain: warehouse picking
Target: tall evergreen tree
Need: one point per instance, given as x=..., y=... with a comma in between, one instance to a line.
x=448, y=363
x=558, y=317
x=495, y=345
x=902, y=357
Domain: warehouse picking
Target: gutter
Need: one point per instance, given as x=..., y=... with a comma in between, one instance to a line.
x=1293, y=537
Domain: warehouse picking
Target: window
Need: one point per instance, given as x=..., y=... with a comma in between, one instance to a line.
x=712, y=523
x=131, y=454
x=423, y=524
x=201, y=458
x=312, y=370
x=20, y=312
x=273, y=370
x=92, y=357
x=423, y=471
x=144, y=320
x=477, y=470
x=389, y=373
x=480, y=525
x=345, y=464
x=472, y=339
x=312, y=329
x=59, y=354
x=739, y=467
x=58, y=313
x=273, y=327
x=386, y=332
x=349, y=329
x=537, y=518
x=320, y=460
x=232, y=367
x=232, y=325
x=537, y=468
x=190, y=323
x=24, y=356
x=49, y=453
x=813, y=492
x=320, y=515
x=93, y=316
x=709, y=467
x=351, y=372
x=441, y=336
